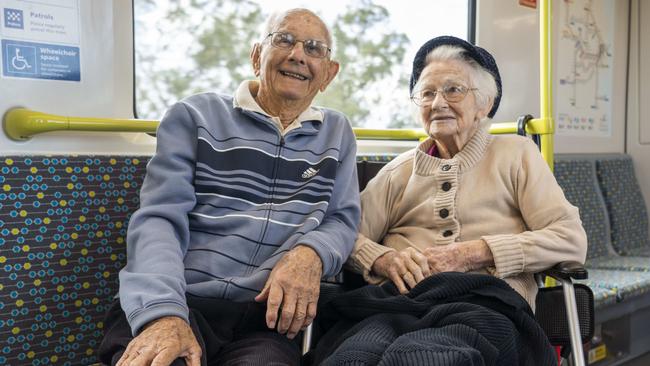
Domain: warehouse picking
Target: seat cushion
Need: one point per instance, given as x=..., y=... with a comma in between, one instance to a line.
x=620, y=263
x=603, y=296
x=626, y=284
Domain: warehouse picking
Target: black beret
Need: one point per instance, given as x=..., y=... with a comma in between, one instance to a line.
x=481, y=56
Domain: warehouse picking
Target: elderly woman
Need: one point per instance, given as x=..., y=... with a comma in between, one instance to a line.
x=464, y=200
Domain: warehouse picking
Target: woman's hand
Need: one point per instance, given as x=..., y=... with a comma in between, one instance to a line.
x=459, y=257
x=405, y=268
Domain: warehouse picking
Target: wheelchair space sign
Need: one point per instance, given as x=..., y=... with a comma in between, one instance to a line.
x=40, y=61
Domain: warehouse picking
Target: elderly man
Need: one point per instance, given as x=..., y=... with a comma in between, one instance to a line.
x=248, y=202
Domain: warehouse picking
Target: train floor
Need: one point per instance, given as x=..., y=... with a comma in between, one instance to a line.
x=643, y=360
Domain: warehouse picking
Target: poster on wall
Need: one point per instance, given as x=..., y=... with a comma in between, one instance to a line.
x=583, y=68
x=40, y=39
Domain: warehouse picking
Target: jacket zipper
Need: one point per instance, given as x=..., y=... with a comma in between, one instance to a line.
x=272, y=198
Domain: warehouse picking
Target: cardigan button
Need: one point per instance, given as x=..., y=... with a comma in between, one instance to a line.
x=446, y=186
x=446, y=167
x=447, y=233
x=444, y=213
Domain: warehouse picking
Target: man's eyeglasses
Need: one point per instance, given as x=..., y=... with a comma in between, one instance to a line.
x=311, y=47
x=452, y=93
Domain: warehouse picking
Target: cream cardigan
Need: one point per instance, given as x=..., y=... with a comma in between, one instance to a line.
x=497, y=188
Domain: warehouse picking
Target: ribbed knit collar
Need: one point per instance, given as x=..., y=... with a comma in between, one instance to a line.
x=470, y=155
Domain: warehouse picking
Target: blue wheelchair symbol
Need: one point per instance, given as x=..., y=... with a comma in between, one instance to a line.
x=21, y=59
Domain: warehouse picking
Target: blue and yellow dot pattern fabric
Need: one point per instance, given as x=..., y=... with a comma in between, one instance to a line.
x=63, y=223
x=625, y=204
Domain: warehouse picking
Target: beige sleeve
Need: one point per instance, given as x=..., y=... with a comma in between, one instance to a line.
x=555, y=232
x=375, y=220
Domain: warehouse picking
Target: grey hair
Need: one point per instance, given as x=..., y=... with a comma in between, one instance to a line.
x=274, y=20
x=479, y=77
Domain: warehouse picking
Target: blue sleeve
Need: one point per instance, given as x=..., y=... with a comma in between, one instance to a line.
x=334, y=238
x=152, y=284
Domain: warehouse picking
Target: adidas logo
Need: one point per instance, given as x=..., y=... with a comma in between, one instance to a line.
x=310, y=172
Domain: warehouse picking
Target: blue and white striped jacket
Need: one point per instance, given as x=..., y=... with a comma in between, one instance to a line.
x=226, y=195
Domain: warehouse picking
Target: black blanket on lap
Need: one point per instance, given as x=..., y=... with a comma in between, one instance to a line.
x=448, y=319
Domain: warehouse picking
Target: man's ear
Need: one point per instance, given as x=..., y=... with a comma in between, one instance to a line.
x=256, y=54
x=332, y=70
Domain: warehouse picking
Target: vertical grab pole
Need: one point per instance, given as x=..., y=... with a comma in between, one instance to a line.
x=545, y=79
x=546, y=112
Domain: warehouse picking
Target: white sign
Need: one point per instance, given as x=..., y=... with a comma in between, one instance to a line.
x=584, y=68
x=40, y=39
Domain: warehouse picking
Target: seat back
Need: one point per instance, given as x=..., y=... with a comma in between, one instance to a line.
x=576, y=175
x=63, y=222
x=628, y=215
x=369, y=165
x=551, y=314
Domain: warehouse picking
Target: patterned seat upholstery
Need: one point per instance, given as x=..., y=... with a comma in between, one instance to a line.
x=383, y=158
x=626, y=284
x=636, y=263
x=611, y=277
x=602, y=296
x=627, y=212
x=63, y=223
x=577, y=177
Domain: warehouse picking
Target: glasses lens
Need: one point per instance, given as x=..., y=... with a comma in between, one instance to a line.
x=283, y=40
x=454, y=93
x=311, y=47
x=424, y=97
x=314, y=48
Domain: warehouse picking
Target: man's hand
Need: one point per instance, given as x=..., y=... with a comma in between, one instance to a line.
x=405, y=268
x=161, y=342
x=293, y=286
x=459, y=257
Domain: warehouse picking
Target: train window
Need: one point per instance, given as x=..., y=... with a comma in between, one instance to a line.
x=187, y=46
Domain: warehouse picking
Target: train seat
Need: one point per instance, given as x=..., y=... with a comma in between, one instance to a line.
x=585, y=185
x=63, y=223
x=625, y=277
x=627, y=211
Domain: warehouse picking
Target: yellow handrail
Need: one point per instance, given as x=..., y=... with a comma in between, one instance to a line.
x=21, y=124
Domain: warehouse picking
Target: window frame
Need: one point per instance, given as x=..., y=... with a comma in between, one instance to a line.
x=471, y=38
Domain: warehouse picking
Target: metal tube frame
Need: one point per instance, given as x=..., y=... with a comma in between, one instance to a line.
x=306, y=339
x=574, y=322
x=22, y=124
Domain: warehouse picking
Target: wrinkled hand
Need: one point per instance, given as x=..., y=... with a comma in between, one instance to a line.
x=293, y=287
x=405, y=268
x=459, y=257
x=161, y=342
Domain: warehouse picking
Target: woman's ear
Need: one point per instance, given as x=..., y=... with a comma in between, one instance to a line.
x=483, y=112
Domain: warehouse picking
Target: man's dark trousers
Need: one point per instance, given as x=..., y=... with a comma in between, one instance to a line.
x=229, y=333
